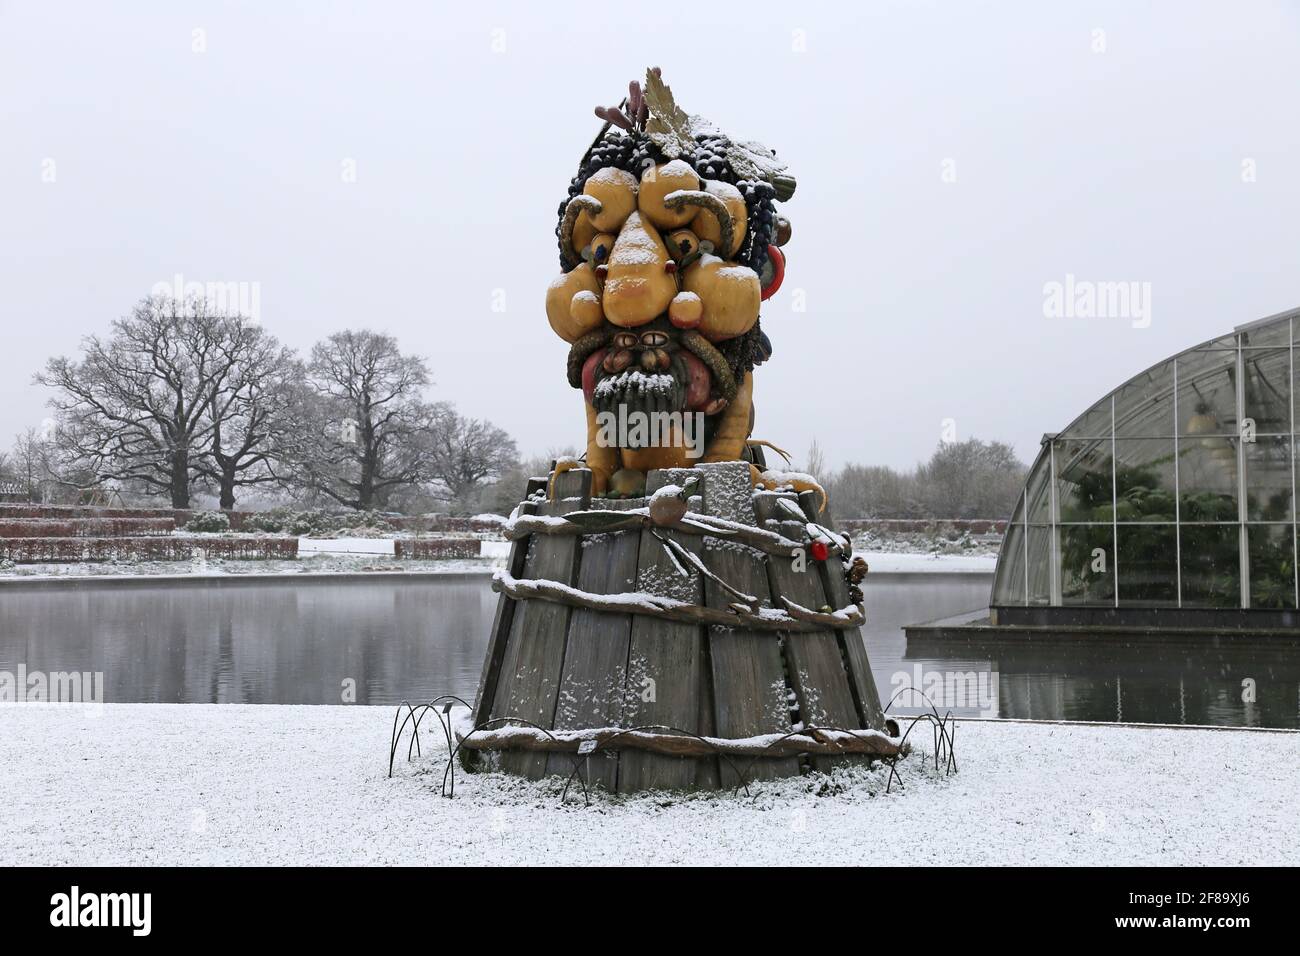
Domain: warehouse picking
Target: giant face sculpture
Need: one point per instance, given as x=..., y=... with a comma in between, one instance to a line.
x=667, y=252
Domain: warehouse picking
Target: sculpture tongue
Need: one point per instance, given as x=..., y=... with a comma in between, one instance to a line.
x=589, y=373
x=698, y=382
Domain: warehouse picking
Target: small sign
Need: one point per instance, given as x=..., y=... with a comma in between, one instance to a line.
x=586, y=747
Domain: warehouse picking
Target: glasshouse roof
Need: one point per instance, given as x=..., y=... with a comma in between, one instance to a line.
x=1175, y=490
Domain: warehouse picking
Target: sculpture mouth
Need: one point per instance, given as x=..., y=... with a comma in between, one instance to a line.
x=660, y=380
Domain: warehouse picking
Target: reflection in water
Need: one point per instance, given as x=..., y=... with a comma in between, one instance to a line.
x=298, y=642
x=257, y=643
x=1229, y=681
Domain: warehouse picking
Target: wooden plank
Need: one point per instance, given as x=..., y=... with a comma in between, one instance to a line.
x=749, y=684
x=593, y=684
x=530, y=672
x=668, y=673
x=499, y=638
x=861, y=681
x=814, y=661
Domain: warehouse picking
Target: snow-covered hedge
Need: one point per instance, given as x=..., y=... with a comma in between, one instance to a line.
x=170, y=548
x=84, y=527
x=436, y=548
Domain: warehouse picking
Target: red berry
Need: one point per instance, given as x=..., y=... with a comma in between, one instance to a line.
x=819, y=551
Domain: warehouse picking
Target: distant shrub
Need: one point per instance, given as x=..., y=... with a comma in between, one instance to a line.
x=208, y=522
x=436, y=548
x=275, y=521
x=170, y=548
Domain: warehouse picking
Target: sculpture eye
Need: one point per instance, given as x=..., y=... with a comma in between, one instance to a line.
x=625, y=340
x=654, y=340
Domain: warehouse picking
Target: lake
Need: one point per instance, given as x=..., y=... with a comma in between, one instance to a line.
x=299, y=641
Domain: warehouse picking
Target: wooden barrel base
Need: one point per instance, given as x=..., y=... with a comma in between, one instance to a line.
x=582, y=662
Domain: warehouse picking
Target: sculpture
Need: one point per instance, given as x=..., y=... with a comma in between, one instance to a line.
x=669, y=240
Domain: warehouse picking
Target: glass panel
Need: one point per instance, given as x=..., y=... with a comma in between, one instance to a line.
x=1272, y=565
x=1211, y=565
x=1148, y=564
x=1083, y=479
x=1094, y=423
x=1207, y=393
x=1040, y=565
x=1087, y=564
x=1038, y=493
x=1207, y=479
x=1145, y=405
x=1274, y=334
x=1144, y=481
x=1009, y=585
x=1268, y=479
x=1268, y=390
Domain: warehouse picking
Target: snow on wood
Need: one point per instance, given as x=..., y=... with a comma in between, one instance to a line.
x=794, y=618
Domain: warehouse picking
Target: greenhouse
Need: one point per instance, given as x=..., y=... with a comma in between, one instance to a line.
x=1169, y=501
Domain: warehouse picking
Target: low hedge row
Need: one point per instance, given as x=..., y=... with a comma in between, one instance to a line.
x=436, y=548
x=931, y=525
x=84, y=527
x=170, y=548
x=435, y=523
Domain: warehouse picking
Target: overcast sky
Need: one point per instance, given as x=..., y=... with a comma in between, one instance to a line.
x=952, y=159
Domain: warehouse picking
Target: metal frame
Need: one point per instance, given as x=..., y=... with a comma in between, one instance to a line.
x=1238, y=367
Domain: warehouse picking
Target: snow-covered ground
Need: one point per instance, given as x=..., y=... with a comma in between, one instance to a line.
x=898, y=562
x=363, y=555
x=319, y=563
x=192, y=784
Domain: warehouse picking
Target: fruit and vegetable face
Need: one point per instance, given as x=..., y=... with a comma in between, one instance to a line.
x=668, y=251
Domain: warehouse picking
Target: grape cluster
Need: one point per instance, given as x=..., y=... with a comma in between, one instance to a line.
x=627, y=151
x=634, y=151
x=709, y=159
x=760, y=212
x=745, y=351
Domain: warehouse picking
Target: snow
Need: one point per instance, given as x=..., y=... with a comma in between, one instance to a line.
x=320, y=564
x=195, y=784
x=492, y=556
x=308, y=546
x=898, y=562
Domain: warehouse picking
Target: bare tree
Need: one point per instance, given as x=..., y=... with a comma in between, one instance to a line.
x=970, y=479
x=370, y=422
x=464, y=453
x=816, y=461
x=137, y=409
x=257, y=416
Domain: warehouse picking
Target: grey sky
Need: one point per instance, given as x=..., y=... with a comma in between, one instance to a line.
x=924, y=296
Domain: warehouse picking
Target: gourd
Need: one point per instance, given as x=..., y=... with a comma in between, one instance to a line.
x=705, y=224
x=586, y=311
x=730, y=294
x=686, y=310
x=637, y=287
x=681, y=243
x=602, y=245
x=583, y=231
x=616, y=190
x=656, y=183
x=559, y=301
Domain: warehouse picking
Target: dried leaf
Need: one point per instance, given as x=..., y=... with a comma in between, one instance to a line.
x=753, y=160
x=668, y=126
